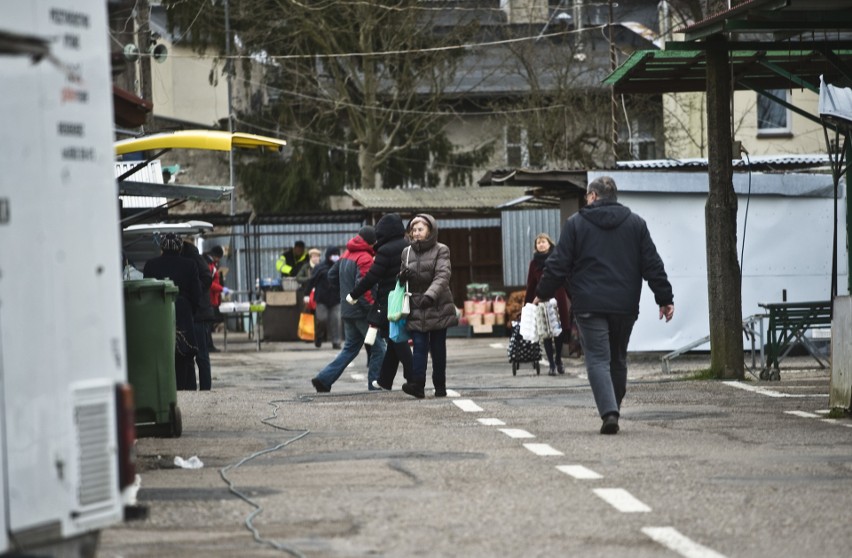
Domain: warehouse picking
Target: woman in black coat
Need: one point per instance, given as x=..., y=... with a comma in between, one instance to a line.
x=327, y=316
x=390, y=242
x=183, y=273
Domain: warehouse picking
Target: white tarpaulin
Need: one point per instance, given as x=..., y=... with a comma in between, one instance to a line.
x=835, y=103
x=787, y=253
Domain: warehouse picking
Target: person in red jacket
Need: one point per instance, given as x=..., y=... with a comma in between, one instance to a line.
x=217, y=289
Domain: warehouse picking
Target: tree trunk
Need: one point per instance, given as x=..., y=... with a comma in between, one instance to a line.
x=367, y=164
x=723, y=272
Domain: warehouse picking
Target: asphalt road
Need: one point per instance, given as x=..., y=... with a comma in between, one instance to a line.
x=508, y=466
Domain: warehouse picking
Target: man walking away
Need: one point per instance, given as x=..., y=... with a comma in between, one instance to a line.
x=604, y=253
x=344, y=274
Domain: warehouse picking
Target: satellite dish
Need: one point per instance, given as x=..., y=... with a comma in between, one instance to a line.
x=131, y=52
x=159, y=53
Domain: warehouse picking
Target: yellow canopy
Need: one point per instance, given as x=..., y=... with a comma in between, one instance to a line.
x=198, y=139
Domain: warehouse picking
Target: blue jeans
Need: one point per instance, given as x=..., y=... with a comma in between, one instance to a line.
x=355, y=331
x=604, y=338
x=426, y=342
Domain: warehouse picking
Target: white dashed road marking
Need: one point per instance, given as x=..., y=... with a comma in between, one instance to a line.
x=516, y=433
x=579, y=472
x=673, y=540
x=803, y=414
x=768, y=392
x=491, y=422
x=359, y=377
x=621, y=500
x=468, y=406
x=542, y=449
x=452, y=393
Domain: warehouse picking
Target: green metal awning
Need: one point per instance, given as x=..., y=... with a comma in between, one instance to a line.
x=682, y=67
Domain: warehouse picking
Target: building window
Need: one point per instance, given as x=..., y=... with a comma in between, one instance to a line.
x=773, y=118
x=520, y=151
x=643, y=147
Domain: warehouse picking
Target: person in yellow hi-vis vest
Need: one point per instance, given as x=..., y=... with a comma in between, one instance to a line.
x=290, y=262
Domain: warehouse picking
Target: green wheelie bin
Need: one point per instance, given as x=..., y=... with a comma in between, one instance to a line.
x=149, y=323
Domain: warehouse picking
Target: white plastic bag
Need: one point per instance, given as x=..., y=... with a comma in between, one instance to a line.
x=529, y=330
x=191, y=463
x=547, y=320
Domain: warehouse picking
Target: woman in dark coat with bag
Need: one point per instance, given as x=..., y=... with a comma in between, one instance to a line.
x=390, y=243
x=543, y=248
x=426, y=266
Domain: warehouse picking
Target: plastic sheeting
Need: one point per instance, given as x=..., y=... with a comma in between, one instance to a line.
x=835, y=103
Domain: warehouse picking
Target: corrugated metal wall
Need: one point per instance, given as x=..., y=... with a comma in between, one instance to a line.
x=265, y=243
x=520, y=227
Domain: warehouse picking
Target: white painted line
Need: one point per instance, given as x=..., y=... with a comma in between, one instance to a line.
x=831, y=421
x=491, y=422
x=621, y=500
x=802, y=414
x=579, y=472
x=358, y=377
x=468, y=406
x=516, y=433
x=673, y=540
x=497, y=345
x=768, y=392
x=452, y=393
x=542, y=449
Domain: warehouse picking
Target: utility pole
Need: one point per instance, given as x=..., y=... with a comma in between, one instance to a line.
x=233, y=210
x=229, y=69
x=613, y=104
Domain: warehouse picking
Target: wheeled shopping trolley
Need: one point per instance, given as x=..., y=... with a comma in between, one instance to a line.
x=520, y=350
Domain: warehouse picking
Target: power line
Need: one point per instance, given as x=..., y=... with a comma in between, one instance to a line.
x=258, y=57
x=339, y=102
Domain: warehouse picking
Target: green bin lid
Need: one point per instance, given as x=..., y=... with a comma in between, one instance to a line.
x=138, y=285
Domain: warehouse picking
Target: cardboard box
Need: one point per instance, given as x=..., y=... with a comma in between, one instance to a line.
x=281, y=298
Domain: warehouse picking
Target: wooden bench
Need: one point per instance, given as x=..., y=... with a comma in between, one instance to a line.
x=788, y=322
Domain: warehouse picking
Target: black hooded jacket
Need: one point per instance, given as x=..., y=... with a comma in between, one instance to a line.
x=390, y=241
x=324, y=292
x=605, y=251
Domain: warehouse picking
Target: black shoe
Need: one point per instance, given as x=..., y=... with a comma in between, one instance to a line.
x=560, y=369
x=610, y=424
x=413, y=390
x=317, y=343
x=440, y=392
x=552, y=371
x=318, y=385
x=335, y=346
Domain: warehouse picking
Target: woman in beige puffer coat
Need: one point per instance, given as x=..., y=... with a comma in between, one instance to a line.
x=426, y=266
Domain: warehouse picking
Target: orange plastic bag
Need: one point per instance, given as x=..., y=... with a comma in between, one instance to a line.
x=306, y=327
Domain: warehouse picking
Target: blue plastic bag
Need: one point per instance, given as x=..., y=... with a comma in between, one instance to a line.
x=399, y=332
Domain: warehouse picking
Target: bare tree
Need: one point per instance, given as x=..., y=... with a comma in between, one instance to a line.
x=377, y=71
x=558, y=104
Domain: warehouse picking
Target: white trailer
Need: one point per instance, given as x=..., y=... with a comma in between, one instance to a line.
x=66, y=418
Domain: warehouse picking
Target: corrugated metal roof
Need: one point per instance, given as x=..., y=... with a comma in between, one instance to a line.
x=762, y=162
x=421, y=199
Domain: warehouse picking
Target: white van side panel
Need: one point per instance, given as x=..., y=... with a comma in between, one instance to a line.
x=61, y=307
